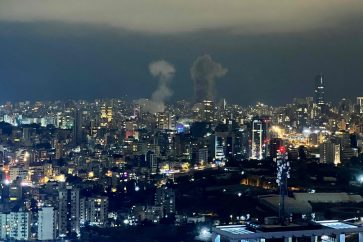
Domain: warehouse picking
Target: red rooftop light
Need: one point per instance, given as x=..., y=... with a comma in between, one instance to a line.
x=282, y=149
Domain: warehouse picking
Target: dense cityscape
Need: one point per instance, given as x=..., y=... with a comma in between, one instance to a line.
x=92, y=169
x=181, y=121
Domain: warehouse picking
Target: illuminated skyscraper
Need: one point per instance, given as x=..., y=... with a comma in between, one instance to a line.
x=360, y=104
x=259, y=139
x=106, y=114
x=256, y=151
x=319, y=91
x=208, y=111
x=166, y=120
x=94, y=210
x=330, y=153
x=172, y=121
x=219, y=148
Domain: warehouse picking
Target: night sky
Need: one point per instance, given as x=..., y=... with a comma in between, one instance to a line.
x=55, y=56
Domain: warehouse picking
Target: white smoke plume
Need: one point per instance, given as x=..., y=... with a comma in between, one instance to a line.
x=165, y=72
x=204, y=73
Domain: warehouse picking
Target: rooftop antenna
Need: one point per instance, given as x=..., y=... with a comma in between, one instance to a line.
x=283, y=173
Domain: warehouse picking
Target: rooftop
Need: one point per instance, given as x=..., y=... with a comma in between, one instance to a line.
x=318, y=228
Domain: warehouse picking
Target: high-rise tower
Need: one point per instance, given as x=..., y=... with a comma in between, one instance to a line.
x=259, y=147
x=319, y=90
x=283, y=173
x=77, y=127
x=106, y=113
x=69, y=211
x=360, y=104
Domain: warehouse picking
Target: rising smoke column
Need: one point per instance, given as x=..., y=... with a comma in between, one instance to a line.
x=204, y=72
x=164, y=71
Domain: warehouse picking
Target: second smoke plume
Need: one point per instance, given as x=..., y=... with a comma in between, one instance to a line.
x=204, y=72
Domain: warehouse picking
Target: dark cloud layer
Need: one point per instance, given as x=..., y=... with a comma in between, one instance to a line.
x=59, y=61
x=173, y=16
